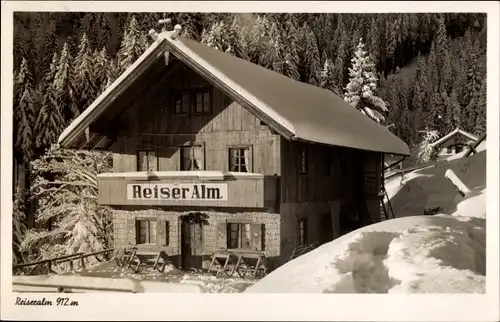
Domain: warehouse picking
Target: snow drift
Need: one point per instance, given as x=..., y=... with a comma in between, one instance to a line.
x=411, y=254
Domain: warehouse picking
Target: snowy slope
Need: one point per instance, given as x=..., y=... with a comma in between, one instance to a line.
x=444, y=253
x=428, y=188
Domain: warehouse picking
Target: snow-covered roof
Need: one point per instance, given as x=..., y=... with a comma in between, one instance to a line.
x=453, y=133
x=293, y=109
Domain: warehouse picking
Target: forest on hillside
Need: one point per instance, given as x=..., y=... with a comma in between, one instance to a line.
x=423, y=72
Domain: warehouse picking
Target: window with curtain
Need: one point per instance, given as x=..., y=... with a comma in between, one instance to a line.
x=239, y=159
x=203, y=102
x=146, y=231
x=147, y=160
x=192, y=158
x=238, y=236
x=181, y=103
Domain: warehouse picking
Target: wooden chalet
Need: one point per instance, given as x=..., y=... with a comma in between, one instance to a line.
x=212, y=153
x=454, y=142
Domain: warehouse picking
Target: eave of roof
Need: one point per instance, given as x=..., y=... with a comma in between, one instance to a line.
x=453, y=133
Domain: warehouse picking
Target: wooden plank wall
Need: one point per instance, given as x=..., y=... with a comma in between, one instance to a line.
x=150, y=123
x=251, y=192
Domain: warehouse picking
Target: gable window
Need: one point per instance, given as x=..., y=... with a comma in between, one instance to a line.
x=146, y=231
x=192, y=158
x=239, y=159
x=302, y=232
x=303, y=162
x=181, y=103
x=238, y=236
x=202, y=102
x=147, y=160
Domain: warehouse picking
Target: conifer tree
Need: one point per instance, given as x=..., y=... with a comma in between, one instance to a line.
x=310, y=59
x=85, y=75
x=50, y=121
x=433, y=68
x=19, y=227
x=481, y=110
x=443, y=57
x=272, y=57
x=220, y=36
x=25, y=109
x=291, y=56
x=69, y=200
x=339, y=66
x=133, y=45
x=473, y=74
x=327, y=76
x=374, y=42
x=101, y=68
x=361, y=90
x=64, y=85
x=453, y=111
x=189, y=22
x=436, y=118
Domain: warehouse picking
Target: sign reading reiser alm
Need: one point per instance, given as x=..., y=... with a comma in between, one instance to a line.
x=181, y=191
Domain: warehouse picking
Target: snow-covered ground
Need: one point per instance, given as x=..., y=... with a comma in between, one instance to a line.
x=443, y=253
x=207, y=282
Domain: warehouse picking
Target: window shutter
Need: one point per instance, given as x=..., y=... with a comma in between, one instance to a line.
x=131, y=232
x=161, y=233
x=257, y=233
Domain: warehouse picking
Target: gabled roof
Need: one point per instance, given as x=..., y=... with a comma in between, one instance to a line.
x=293, y=109
x=452, y=134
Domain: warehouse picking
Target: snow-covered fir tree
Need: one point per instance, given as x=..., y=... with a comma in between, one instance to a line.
x=273, y=57
x=85, y=75
x=50, y=121
x=25, y=109
x=425, y=152
x=133, y=45
x=361, y=89
x=64, y=85
x=327, y=79
x=101, y=64
x=65, y=189
x=220, y=36
x=291, y=59
x=310, y=58
x=19, y=226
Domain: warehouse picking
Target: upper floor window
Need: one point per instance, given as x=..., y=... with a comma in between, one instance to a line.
x=239, y=159
x=203, y=101
x=303, y=162
x=181, y=103
x=192, y=158
x=147, y=160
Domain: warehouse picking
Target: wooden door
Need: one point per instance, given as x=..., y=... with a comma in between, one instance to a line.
x=191, y=245
x=326, y=228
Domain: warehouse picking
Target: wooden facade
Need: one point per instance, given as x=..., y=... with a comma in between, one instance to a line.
x=298, y=192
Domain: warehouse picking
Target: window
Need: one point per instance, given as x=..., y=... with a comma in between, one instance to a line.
x=239, y=159
x=449, y=150
x=192, y=158
x=458, y=149
x=302, y=232
x=181, y=103
x=203, y=102
x=146, y=231
x=303, y=162
x=147, y=160
x=238, y=236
